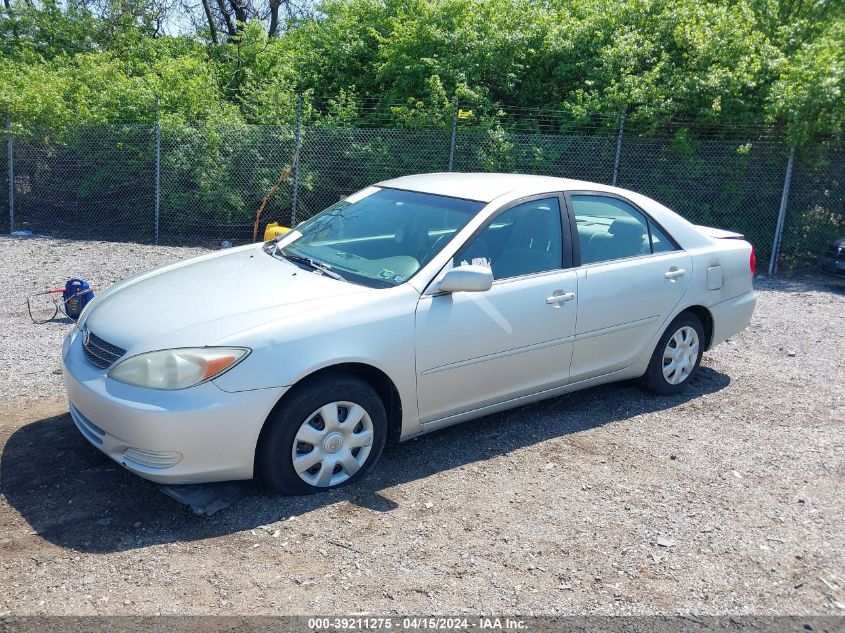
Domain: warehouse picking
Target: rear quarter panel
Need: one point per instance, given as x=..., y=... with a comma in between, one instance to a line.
x=722, y=283
x=731, y=258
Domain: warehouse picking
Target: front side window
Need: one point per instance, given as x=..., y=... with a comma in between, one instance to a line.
x=523, y=240
x=609, y=229
x=379, y=237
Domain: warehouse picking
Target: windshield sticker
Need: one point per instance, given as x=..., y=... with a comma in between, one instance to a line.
x=357, y=197
x=386, y=274
x=399, y=278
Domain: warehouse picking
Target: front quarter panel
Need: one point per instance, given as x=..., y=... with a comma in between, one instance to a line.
x=375, y=328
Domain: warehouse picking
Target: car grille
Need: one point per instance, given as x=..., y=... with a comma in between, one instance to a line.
x=99, y=352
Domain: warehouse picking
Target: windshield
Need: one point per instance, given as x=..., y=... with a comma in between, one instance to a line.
x=380, y=237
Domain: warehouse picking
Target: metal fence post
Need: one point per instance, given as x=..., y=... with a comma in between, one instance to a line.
x=454, y=135
x=619, y=144
x=298, y=141
x=11, y=168
x=773, y=262
x=158, y=173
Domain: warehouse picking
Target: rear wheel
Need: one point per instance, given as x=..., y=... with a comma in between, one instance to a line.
x=677, y=356
x=328, y=433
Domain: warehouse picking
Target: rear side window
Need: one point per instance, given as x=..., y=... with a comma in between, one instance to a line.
x=610, y=229
x=660, y=242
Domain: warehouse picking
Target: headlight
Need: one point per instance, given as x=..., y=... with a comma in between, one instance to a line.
x=177, y=368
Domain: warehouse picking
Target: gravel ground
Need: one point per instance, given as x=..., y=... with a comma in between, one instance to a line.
x=729, y=499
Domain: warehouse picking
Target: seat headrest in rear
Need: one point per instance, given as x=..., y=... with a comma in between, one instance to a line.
x=626, y=228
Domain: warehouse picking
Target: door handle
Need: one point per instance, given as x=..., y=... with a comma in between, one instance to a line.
x=674, y=273
x=559, y=296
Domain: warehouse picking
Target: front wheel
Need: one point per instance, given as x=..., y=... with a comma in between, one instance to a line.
x=677, y=356
x=327, y=434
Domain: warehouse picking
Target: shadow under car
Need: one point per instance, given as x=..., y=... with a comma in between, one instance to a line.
x=75, y=497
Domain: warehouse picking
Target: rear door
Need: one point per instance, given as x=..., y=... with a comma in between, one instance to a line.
x=631, y=276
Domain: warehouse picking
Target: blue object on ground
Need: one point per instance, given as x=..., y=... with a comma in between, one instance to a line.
x=76, y=296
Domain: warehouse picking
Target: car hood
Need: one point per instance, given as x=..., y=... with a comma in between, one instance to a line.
x=199, y=301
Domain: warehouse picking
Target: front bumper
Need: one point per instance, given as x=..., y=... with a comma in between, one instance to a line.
x=194, y=435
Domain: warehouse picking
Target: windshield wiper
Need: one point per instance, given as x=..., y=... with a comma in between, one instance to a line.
x=319, y=267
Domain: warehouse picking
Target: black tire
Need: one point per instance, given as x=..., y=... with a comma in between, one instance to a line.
x=274, y=465
x=653, y=379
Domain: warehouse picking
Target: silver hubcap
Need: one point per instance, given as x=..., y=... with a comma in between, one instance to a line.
x=332, y=444
x=680, y=355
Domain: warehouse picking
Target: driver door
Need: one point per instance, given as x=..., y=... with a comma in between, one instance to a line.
x=481, y=348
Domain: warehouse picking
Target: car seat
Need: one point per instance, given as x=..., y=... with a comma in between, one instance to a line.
x=624, y=238
x=533, y=246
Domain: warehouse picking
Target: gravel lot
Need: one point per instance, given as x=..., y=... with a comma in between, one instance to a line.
x=729, y=499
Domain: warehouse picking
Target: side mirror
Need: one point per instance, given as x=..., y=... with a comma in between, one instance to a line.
x=466, y=279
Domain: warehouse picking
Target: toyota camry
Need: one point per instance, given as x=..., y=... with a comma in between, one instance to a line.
x=409, y=306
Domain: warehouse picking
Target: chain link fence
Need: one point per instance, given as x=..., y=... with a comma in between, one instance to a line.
x=815, y=210
x=100, y=181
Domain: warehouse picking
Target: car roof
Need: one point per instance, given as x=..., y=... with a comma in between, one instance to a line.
x=486, y=187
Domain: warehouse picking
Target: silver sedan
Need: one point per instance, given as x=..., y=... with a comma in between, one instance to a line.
x=414, y=304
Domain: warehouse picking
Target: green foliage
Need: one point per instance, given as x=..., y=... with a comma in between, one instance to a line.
x=669, y=61
x=108, y=86
x=691, y=73
x=702, y=63
x=28, y=34
x=809, y=94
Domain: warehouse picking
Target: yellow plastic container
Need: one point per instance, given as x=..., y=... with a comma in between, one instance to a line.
x=274, y=230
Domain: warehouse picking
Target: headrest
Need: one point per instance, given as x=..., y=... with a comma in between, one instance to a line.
x=627, y=228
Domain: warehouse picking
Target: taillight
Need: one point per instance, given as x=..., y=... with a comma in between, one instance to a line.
x=752, y=262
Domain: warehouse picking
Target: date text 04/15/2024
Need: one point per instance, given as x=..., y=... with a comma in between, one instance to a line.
x=416, y=623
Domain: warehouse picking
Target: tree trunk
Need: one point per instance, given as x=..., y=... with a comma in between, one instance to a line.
x=274, y=17
x=227, y=18
x=211, y=26
x=239, y=7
